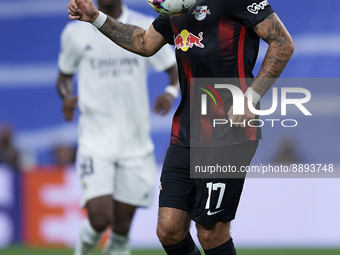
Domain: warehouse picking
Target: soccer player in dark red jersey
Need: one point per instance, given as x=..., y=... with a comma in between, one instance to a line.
x=215, y=39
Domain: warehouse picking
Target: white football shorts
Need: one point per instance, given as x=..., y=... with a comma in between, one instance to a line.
x=130, y=181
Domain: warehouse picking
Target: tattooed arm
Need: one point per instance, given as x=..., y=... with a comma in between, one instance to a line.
x=130, y=37
x=133, y=38
x=281, y=48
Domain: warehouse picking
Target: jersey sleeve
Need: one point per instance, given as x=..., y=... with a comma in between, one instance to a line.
x=249, y=12
x=162, y=26
x=163, y=59
x=69, y=54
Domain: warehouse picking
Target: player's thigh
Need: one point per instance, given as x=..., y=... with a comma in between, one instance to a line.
x=100, y=210
x=123, y=212
x=135, y=180
x=97, y=175
x=122, y=217
x=217, y=199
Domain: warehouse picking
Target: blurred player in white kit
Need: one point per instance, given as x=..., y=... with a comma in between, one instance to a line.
x=115, y=154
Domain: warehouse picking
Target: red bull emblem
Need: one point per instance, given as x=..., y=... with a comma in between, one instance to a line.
x=186, y=40
x=201, y=12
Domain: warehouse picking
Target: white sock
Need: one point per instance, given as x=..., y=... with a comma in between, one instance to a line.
x=89, y=239
x=118, y=245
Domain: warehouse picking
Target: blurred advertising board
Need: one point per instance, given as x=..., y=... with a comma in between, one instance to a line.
x=10, y=204
x=52, y=214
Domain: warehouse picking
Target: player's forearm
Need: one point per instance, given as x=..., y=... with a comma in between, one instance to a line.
x=130, y=37
x=173, y=75
x=65, y=85
x=273, y=64
x=280, y=50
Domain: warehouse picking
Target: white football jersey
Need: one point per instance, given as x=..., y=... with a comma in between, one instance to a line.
x=112, y=88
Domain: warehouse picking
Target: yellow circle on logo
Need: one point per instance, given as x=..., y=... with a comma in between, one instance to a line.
x=184, y=33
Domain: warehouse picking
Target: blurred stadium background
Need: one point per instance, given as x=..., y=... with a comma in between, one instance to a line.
x=39, y=199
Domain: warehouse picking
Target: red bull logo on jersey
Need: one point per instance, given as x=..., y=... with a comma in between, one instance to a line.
x=186, y=40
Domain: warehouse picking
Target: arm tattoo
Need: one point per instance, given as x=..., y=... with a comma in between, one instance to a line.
x=129, y=37
x=279, y=52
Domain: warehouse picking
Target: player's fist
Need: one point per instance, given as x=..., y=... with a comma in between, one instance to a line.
x=82, y=10
x=241, y=120
x=163, y=104
x=69, y=107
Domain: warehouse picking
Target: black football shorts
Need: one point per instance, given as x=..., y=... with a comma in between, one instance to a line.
x=207, y=200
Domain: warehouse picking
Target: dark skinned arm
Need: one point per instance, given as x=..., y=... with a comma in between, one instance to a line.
x=164, y=102
x=65, y=91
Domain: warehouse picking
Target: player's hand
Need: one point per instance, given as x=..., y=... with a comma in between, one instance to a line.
x=69, y=107
x=240, y=119
x=82, y=10
x=163, y=104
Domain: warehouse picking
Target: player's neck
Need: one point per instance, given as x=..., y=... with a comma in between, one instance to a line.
x=114, y=12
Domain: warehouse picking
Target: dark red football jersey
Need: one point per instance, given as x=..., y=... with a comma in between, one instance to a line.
x=214, y=39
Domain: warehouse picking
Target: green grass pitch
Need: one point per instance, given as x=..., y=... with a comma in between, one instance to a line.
x=19, y=250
